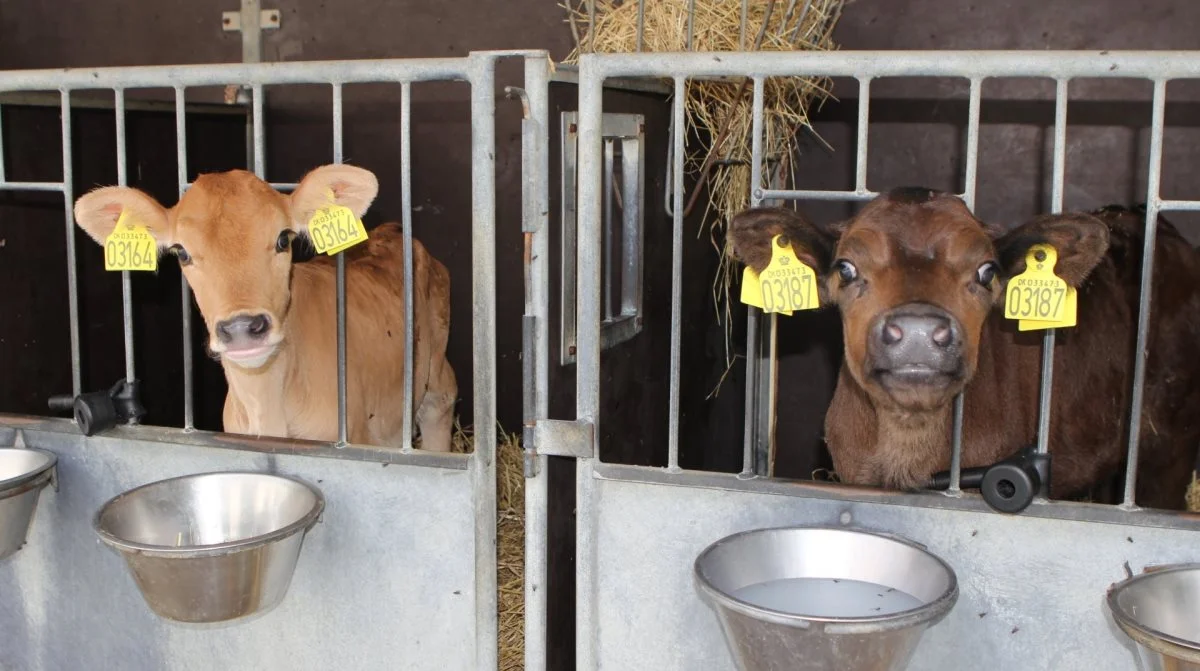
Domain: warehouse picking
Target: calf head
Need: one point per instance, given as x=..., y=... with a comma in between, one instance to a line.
x=915, y=275
x=232, y=235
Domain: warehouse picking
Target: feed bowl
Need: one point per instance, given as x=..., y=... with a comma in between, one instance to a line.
x=23, y=474
x=816, y=599
x=214, y=546
x=1160, y=611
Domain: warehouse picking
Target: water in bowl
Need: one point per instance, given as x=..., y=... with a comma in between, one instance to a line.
x=827, y=597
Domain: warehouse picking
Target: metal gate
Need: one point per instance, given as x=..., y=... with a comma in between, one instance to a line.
x=1032, y=585
x=402, y=571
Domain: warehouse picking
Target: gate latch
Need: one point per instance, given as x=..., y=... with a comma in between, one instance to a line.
x=557, y=438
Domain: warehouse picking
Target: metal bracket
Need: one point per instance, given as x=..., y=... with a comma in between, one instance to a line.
x=558, y=438
x=250, y=21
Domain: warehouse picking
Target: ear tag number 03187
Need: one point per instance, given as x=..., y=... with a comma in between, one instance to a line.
x=130, y=246
x=334, y=228
x=1037, y=298
x=785, y=285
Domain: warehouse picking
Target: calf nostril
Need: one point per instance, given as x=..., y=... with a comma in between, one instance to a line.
x=941, y=336
x=892, y=334
x=223, y=332
x=258, y=325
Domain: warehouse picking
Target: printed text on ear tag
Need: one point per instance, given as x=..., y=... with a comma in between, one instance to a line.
x=1037, y=298
x=334, y=228
x=785, y=286
x=130, y=246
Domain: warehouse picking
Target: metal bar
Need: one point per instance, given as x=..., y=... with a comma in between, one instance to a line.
x=483, y=289
x=68, y=171
x=126, y=285
x=755, y=365
x=609, y=256
x=1178, y=205
x=903, y=63
x=770, y=409
x=587, y=367
x=3, y=175
x=641, y=25
x=537, y=489
x=742, y=28
x=341, y=279
x=406, y=424
x=691, y=28
x=677, y=110
x=260, y=142
x=1046, y=385
x=864, y=111
x=185, y=292
x=592, y=25
x=969, y=184
x=802, y=194
x=31, y=186
x=1141, y=351
x=800, y=22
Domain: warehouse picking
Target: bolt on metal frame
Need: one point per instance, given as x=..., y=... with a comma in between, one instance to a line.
x=478, y=70
x=1159, y=67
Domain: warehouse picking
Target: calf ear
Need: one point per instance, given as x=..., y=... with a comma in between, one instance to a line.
x=751, y=232
x=1081, y=241
x=97, y=212
x=347, y=185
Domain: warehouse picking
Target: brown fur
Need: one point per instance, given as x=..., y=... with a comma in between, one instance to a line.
x=917, y=245
x=229, y=223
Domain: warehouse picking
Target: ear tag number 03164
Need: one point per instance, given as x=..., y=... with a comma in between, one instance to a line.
x=1037, y=298
x=334, y=228
x=130, y=246
x=784, y=286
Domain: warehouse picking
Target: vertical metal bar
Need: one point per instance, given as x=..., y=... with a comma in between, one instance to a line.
x=260, y=153
x=126, y=285
x=587, y=366
x=755, y=367
x=1141, y=351
x=68, y=170
x=3, y=177
x=691, y=24
x=641, y=25
x=537, y=80
x=609, y=256
x=185, y=292
x=864, y=111
x=1045, y=388
x=591, y=26
x=483, y=296
x=677, y=110
x=969, y=184
x=341, y=281
x=406, y=424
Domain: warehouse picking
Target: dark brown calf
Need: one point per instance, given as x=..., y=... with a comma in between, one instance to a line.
x=920, y=283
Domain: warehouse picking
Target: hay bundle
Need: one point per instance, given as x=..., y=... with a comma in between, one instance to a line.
x=1193, y=495
x=719, y=111
x=510, y=542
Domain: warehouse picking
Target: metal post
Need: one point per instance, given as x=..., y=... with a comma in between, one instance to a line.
x=757, y=369
x=406, y=425
x=341, y=281
x=185, y=293
x=126, y=284
x=677, y=110
x=68, y=170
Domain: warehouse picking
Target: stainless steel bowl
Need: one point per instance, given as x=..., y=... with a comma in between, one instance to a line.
x=1160, y=611
x=214, y=546
x=814, y=598
x=23, y=474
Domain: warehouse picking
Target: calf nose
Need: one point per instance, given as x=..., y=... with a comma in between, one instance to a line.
x=248, y=327
x=907, y=329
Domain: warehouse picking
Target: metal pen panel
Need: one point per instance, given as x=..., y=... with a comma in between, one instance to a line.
x=406, y=424
x=341, y=280
x=609, y=255
x=1141, y=351
x=677, y=112
x=483, y=300
x=126, y=284
x=754, y=365
x=185, y=292
x=68, y=171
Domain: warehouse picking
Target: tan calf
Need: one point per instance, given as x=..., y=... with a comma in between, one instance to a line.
x=272, y=323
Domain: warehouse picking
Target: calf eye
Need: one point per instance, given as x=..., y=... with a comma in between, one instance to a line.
x=845, y=270
x=182, y=255
x=283, y=241
x=987, y=273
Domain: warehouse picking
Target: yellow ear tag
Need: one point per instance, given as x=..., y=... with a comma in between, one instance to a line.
x=130, y=246
x=334, y=228
x=1037, y=298
x=785, y=285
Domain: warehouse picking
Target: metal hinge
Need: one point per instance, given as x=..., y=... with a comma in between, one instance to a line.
x=556, y=438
